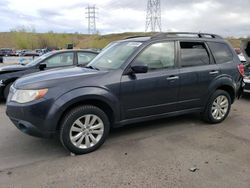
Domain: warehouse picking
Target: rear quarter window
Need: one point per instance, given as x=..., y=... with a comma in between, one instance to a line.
x=221, y=52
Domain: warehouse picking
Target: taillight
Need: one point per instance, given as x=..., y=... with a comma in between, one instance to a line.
x=241, y=69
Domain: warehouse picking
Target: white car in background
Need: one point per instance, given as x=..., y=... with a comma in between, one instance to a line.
x=242, y=58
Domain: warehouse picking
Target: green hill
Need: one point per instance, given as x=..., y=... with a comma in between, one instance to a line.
x=28, y=40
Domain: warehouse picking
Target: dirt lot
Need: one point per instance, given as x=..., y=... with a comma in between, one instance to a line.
x=153, y=154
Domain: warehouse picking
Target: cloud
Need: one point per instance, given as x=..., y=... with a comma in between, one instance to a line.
x=48, y=13
x=228, y=18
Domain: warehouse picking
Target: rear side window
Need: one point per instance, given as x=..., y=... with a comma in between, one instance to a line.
x=85, y=57
x=221, y=52
x=194, y=54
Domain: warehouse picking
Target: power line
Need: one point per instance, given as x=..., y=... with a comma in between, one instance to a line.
x=153, y=17
x=91, y=16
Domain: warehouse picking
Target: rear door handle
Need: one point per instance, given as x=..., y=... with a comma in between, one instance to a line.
x=173, y=78
x=214, y=72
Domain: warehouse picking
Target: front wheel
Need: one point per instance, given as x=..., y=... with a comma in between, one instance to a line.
x=218, y=107
x=84, y=129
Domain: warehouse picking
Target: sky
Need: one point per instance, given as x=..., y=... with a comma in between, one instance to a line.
x=224, y=17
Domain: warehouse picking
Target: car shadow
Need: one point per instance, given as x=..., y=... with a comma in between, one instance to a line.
x=156, y=125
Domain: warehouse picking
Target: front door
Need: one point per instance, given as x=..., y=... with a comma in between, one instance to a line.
x=64, y=59
x=154, y=92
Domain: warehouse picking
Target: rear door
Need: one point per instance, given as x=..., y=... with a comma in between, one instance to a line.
x=197, y=71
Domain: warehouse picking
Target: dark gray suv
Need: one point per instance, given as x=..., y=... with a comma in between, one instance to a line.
x=132, y=80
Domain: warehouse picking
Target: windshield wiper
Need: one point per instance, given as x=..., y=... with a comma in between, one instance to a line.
x=91, y=67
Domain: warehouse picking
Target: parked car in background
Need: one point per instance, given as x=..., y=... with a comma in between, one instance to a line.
x=41, y=51
x=55, y=59
x=6, y=52
x=240, y=55
x=245, y=47
x=31, y=54
x=132, y=80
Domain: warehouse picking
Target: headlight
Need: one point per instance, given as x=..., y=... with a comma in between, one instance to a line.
x=24, y=96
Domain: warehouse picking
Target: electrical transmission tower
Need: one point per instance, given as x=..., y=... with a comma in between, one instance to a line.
x=91, y=16
x=153, y=17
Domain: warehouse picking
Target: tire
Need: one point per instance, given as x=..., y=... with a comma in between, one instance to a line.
x=92, y=121
x=220, y=101
x=6, y=91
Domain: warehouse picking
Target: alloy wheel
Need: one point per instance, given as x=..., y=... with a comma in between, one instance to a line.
x=220, y=107
x=86, y=131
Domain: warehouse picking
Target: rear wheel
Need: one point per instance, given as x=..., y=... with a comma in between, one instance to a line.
x=84, y=129
x=6, y=91
x=218, y=107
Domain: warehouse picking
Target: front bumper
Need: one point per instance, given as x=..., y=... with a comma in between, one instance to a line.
x=38, y=118
x=30, y=129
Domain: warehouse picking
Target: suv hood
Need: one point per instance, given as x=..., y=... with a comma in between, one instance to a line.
x=245, y=48
x=54, y=77
x=12, y=68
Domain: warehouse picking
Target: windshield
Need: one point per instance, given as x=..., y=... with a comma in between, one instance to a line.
x=37, y=60
x=114, y=55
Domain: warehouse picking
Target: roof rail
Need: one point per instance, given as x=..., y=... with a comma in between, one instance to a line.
x=186, y=34
x=131, y=37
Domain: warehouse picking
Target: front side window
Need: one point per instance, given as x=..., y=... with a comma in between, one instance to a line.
x=113, y=56
x=157, y=56
x=221, y=52
x=62, y=59
x=193, y=54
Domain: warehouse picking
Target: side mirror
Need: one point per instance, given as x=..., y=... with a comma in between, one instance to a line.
x=140, y=69
x=42, y=66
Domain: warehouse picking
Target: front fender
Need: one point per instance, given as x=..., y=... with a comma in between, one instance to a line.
x=88, y=93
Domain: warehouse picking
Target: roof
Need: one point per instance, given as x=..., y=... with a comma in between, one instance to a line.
x=182, y=35
x=76, y=50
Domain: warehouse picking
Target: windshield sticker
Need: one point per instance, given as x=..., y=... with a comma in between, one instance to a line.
x=135, y=44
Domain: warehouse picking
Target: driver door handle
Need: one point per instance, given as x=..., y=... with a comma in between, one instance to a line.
x=214, y=72
x=173, y=78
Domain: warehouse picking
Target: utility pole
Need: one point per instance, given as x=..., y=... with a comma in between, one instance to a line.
x=91, y=16
x=153, y=17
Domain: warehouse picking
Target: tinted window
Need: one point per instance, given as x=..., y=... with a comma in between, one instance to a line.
x=193, y=54
x=221, y=52
x=85, y=57
x=62, y=59
x=157, y=56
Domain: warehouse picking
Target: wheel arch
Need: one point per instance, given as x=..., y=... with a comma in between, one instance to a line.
x=226, y=84
x=108, y=103
x=230, y=90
